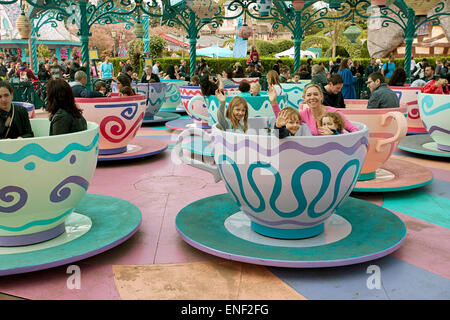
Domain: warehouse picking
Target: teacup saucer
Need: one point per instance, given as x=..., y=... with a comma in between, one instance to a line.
x=161, y=117
x=422, y=144
x=98, y=224
x=138, y=148
x=198, y=146
x=396, y=175
x=180, y=110
x=355, y=233
x=182, y=124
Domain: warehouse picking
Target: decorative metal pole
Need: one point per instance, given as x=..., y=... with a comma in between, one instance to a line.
x=84, y=38
x=146, y=39
x=192, y=36
x=409, y=37
x=298, y=35
x=33, y=52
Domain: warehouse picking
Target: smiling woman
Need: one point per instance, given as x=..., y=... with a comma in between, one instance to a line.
x=14, y=119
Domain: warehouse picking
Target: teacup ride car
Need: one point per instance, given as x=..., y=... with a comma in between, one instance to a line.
x=157, y=94
x=288, y=201
x=435, y=114
x=249, y=80
x=259, y=108
x=120, y=119
x=294, y=92
x=195, y=109
x=410, y=96
x=173, y=103
x=46, y=217
x=382, y=172
x=29, y=106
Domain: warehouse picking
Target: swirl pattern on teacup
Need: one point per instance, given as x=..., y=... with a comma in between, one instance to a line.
x=296, y=186
x=61, y=193
x=115, y=132
x=428, y=108
x=6, y=196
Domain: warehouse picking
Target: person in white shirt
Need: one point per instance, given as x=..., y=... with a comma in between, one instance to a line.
x=156, y=68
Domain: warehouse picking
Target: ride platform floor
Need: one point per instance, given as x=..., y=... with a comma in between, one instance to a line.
x=157, y=264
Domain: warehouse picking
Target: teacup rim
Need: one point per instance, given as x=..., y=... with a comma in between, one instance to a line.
x=136, y=97
x=91, y=127
x=356, y=123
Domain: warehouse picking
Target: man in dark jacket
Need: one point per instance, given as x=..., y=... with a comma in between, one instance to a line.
x=75, y=66
x=332, y=95
x=79, y=87
x=381, y=96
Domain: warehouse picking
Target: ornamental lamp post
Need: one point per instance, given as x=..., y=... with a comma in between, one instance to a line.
x=139, y=30
x=334, y=4
x=298, y=5
x=204, y=9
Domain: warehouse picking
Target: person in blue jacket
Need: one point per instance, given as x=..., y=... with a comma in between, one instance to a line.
x=348, y=90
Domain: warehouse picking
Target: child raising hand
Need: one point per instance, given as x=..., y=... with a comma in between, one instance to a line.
x=236, y=115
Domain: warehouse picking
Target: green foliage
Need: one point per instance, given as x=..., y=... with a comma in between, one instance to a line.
x=365, y=51
x=283, y=44
x=43, y=51
x=316, y=42
x=157, y=45
x=135, y=49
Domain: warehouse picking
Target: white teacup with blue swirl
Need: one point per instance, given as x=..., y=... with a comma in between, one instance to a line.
x=42, y=180
x=289, y=187
x=435, y=114
x=174, y=101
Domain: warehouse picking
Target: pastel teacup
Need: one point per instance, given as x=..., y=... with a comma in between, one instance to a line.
x=258, y=106
x=119, y=119
x=294, y=92
x=387, y=127
x=198, y=111
x=42, y=181
x=249, y=80
x=28, y=106
x=174, y=100
x=435, y=114
x=289, y=187
x=409, y=96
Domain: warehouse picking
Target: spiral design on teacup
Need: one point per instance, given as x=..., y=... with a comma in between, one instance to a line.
x=111, y=132
x=414, y=113
x=428, y=108
x=296, y=187
x=130, y=112
x=6, y=195
x=61, y=193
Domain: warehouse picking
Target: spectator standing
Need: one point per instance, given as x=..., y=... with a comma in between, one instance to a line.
x=253, y=54
x=388, y=68
x=56, y=71
x=335, y=67
x=43, y=74
x=371, y=68
x=75, y=66
x=3, y=69
x=348, y=90
x=106, y=69
x=277, y=66
x=25, y=73
x=156, y=68
x=438, y=66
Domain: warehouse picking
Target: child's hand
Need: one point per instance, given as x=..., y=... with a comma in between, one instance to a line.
x=324, y=131
x=271, y=92
x=220, y=96
x=281, y=121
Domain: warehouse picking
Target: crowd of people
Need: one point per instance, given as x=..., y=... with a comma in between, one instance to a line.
x=325, y=94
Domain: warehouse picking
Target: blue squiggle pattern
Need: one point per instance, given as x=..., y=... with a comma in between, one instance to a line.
x=36, y=150
x=128, y=113
x=36, y=223
x=295, y=185
x=427, y=106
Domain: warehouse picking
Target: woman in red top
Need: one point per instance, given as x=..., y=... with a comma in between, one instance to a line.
x=253, y=52
x=439, y=86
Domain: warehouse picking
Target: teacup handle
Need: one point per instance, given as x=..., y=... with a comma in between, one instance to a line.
x=193, y=99
x=169, y=87
x=178, y=150
x=402, y=128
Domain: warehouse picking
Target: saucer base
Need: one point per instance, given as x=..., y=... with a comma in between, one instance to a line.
x=203, y=224
x=396, y=175
x=161, y=117
x=183, y=124
x=107, y=222
x=138, y=148
x=422, y=144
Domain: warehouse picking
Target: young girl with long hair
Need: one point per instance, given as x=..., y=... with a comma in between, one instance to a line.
x=273, y=79
x=236, y=115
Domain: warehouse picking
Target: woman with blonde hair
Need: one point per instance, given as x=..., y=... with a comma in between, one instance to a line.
x=313, y=114
x=273, y=79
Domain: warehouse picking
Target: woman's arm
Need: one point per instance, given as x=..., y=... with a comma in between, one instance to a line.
x=26, y=131
x=271, y=92
x=348, y=124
